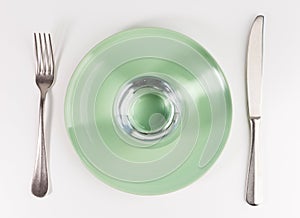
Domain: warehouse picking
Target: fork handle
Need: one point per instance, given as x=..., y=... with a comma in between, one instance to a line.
x=254, y=183
x=39, y=186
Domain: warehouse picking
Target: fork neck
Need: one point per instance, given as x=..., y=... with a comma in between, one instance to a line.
x=43, y=93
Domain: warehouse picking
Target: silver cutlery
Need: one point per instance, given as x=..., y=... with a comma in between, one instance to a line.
x=44, y=77
x=254, y=86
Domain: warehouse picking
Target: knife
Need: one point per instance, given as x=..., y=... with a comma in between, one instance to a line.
x=254, y=87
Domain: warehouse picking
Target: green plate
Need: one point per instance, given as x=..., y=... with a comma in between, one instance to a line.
x=161, y=136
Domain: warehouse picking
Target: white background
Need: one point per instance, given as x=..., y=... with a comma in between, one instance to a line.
x=222, y=27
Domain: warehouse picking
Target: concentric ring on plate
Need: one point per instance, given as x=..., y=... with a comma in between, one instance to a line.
x=176, y=77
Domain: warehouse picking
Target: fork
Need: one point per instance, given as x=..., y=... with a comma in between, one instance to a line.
x=44, y=77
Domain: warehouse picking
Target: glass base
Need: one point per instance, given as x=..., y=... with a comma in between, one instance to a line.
x=147, y=108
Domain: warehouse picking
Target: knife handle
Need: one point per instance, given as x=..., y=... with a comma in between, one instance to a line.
x=254, y=183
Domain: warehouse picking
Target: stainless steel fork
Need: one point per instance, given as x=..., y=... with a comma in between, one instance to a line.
x=44, y=77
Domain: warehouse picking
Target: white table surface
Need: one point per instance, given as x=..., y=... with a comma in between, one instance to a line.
x=222, y=28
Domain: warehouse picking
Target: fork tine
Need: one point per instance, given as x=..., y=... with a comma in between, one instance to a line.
x=46, y=54
x=37, y=63
x=42, y=59
x=51, y=55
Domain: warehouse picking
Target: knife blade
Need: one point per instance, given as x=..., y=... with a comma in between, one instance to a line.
x=254, y=86
x=254, y=67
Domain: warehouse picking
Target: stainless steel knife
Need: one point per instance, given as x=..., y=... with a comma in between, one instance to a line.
x=254, y=87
